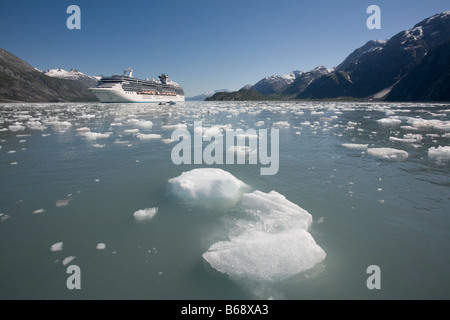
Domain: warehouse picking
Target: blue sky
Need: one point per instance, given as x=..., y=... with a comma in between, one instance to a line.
x=202, y=44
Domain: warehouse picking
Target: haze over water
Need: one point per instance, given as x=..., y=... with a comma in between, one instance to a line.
x=73, y=175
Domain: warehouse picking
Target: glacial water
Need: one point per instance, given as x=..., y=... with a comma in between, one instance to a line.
x=94, y=185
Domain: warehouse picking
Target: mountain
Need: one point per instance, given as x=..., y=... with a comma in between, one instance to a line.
x=275, y=84
x=411, y=65
x=205, y=95
x=428, y=81
x=241, y=95
x=21, y=82
x=73, y=74
x=303, y=81
x=381, y=64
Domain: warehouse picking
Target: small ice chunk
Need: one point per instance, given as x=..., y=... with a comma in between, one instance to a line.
x=282, y=124
x=62, y=203
x=95, y=135
x=150, y=136
x=58, y=246
x=16, y=127
x=174, y=126
x=388, y=153
x=38, y=211
x=440, y=152
x=145, y=214
x=144, y=124
x=68, y=260
x=389, y=121
x=131, y=131
x=207, y=184
x=355, y=146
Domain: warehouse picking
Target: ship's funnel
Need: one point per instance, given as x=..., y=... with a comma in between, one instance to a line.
x=128, y=72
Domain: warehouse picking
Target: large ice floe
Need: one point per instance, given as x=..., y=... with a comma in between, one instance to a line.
x=274, y=245
x=270, y=242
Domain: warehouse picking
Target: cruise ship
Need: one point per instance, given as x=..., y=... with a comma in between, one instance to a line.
x=125, y=88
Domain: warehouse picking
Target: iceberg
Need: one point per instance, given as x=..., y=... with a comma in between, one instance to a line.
x=271, y=246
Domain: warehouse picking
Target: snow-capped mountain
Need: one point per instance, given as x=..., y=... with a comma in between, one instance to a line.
x=205, y=95
x=19, y=81
x=73, y=74
x=276, y=83
x=379, y=65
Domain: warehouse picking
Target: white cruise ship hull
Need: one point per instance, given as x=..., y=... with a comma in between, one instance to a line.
x=114, y=95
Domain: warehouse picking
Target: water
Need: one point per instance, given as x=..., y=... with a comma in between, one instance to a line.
x=62, y=185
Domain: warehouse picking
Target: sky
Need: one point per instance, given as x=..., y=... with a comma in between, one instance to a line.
x=202, y=44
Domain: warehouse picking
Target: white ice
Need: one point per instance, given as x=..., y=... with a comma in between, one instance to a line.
x=101, y=246
x=355, y=146
x=439, y=152
x=174, y=126
x=58, y=246
x=388, y=153
x=389, y=121
x=206, y=184
x=145, y=214
x=68, y=260
x=273, y=244
x=95, y=135
x=150, y=136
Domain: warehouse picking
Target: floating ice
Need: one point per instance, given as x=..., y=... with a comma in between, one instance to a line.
x=101, y=246
x=150, y=136
x=274, y=245
x=62, y=203
x=95, y=135
x=388, y=153
x=145, y=214
x=131, y=131
x=68, y=260
x=427, y=124
x=282, y=124
x=408, y=138
x=144, y=124
x=440, y=152
x=35, y=125
x=83, y=129
x=174, y=126
x=207, y=184
x=355, y=146
x=60, y=126
x=58, y=246
x=389, y=121
x=16, y=127
x=4, y=217
x=38, y=211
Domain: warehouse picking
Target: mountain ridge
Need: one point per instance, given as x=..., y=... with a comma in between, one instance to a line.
x=19, y=81
x=372, y=70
